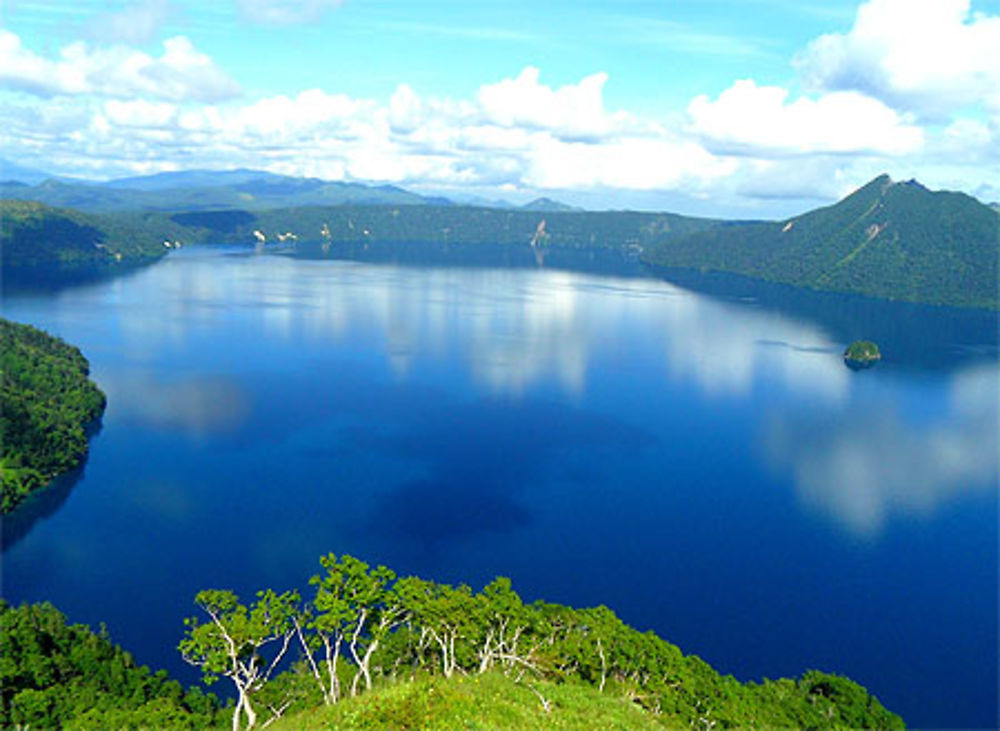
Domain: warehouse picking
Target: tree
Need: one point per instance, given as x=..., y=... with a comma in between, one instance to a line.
x=442, y=613
x=502, y=620
x=232, y=643
x=355, y=605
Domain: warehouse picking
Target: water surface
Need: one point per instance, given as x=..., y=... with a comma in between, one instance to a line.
x=695, y=456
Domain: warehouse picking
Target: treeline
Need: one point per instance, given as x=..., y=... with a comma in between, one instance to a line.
x=364, y=628
x=56, y=675
x=46, y=404
x=460, y=225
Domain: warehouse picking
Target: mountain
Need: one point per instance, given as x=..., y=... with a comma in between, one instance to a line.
x=10, y=171
x=209, y=190
x=192, y=179
x=894, y=240
x=480, y=202
x=547, y=204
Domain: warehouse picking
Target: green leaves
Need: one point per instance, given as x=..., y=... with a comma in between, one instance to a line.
x=46, y=403
x=53, y=674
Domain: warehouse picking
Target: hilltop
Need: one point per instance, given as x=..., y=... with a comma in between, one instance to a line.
x=373, y=650
x=894, y=240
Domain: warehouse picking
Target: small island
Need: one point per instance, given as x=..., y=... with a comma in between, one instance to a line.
x=862, y=354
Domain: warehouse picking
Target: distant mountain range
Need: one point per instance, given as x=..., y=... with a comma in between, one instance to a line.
x=216, y=190
x=13, y=172
x=895, y=240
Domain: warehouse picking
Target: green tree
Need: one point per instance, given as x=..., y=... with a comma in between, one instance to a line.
x=232, y=644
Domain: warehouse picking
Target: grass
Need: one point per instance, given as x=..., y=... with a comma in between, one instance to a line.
x=489, y=701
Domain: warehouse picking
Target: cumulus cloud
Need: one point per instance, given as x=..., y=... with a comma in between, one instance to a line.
x=180, y=73
x=930, y=56
x=517, y=132
x=286, y=12
x=573, y=111
x=747, y=118
x=637, y=163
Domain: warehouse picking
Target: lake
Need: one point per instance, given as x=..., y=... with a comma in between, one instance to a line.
x=692, y=453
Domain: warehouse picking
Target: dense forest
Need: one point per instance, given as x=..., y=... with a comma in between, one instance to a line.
x=57, y=675
x=46, y=403
x=34, y=234
x=460, y=225
x=890, y=240
x=369, y=649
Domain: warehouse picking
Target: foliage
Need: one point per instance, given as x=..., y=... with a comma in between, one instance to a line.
x=412, y=629
x=55, y=675
x=232, y=643
x=46, y=403
x=890, y=240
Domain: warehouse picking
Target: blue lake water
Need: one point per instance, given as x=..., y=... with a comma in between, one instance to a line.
x=694, y=455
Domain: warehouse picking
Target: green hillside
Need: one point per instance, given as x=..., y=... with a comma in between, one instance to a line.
x=46, y=403
x=890, y=240
x=460, y=225
x=380, y=651
x=34, y=233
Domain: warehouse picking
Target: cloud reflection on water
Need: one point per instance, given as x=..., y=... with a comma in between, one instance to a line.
x=194, y=406
x=516, y=329
x=865, y=463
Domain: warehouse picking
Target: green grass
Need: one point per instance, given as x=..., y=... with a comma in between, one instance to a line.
x=489, y=701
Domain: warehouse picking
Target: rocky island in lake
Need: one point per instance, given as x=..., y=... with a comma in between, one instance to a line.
x=862, y=354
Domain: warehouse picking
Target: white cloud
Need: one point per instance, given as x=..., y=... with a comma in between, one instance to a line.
x=574, y=111
x=286, y=12
x=546, y=138
x=139, y=113
x=930, y=56
x=181, y=73
x=638, y=163
x=747, y=118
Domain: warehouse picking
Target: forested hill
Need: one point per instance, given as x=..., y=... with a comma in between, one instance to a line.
x=460, y=225
x=34, y=233
x=46, y=403
x=889, y=240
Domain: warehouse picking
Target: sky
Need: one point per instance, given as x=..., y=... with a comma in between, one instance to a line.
x=750, y=108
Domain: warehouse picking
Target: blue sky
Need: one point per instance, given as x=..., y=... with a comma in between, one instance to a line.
x=752, y=108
